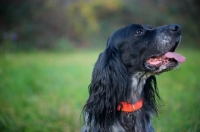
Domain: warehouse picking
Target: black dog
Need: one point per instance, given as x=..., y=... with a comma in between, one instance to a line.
x=123, y=91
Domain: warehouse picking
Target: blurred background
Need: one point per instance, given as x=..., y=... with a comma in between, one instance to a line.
x=48, y=49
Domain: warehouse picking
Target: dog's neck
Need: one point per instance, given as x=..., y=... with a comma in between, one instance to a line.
x=138, y=81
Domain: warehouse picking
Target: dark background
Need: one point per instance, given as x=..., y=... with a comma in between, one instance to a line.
x=67, y=24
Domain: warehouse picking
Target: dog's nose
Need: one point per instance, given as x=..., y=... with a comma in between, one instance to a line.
x=174, y=28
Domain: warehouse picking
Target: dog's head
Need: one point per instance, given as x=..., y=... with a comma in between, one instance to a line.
x=143, y=48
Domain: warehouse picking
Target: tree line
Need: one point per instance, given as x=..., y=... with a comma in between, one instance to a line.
x=41, y=24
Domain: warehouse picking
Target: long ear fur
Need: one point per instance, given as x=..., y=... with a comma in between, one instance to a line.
x=151, y=95
x=109, y=85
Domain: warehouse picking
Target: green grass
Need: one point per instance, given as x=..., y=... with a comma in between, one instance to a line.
x=45, y=91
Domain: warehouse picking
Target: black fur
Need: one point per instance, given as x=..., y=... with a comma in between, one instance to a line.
x=121, y=74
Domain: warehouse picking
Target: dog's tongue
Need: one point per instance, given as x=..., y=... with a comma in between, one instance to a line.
x=176, y=56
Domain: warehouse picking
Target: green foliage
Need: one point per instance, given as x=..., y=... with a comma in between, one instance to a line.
x=45, y=91
x=39, y=24
x=85, y=17
x=98, y=19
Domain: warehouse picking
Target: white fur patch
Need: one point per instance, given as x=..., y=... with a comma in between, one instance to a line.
x=163, y=42
x=138, y=81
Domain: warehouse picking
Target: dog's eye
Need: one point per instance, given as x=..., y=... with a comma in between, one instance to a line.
x=139, y=32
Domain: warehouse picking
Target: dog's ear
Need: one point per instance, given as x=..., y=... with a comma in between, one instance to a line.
x=108, y=86
x=151, y=94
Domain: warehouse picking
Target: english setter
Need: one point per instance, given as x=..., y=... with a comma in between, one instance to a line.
x=123, y=92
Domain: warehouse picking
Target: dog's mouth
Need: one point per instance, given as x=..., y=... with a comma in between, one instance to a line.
x=165, y=61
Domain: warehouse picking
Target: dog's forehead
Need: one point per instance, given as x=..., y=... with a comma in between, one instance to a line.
x=147, y=26
x=125, y=34
x=129, y=29
x=136, y=26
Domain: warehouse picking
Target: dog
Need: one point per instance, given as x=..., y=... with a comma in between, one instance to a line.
x=123, y=94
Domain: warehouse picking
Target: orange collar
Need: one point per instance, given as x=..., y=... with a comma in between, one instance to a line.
x=128, y=107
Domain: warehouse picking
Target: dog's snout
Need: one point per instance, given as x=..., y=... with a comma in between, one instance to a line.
x=174, y=28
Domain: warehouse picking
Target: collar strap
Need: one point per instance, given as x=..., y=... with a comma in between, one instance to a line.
x=128, y=107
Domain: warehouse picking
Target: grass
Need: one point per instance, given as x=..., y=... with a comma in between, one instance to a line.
x=45, y=91
x=179, y=90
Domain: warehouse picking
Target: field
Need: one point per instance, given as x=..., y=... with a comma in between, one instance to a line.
x=45, y=92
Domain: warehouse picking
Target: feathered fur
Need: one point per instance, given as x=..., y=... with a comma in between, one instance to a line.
x=120, y=75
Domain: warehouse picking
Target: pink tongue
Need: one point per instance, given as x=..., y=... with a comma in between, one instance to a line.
x=176, y=56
